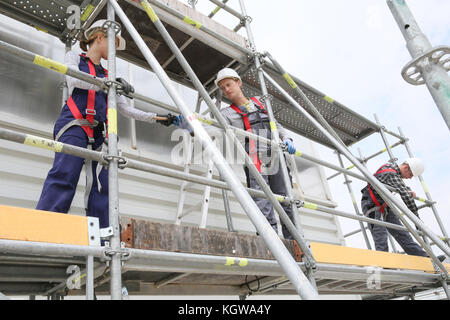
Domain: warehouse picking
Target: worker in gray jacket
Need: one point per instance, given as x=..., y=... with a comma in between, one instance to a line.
x=249, y=114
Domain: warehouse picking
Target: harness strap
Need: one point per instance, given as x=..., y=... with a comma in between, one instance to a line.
x=252, y=152
x=372, y=195
x=75, y=122
x=259, y=104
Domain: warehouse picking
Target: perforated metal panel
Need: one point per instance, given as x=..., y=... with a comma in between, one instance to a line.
x=49, y=16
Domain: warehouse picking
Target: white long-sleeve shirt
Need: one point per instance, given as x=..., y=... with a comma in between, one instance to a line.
x=72, y=60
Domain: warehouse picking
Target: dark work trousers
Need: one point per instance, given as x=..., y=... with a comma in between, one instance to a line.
x=62, y=179
x=277, y=186
x=404, y=239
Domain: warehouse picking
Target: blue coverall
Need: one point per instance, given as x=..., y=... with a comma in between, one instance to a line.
x=62, y=180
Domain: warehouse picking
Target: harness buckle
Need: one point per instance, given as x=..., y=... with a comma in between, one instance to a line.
x=91, y=112
x=267, y=97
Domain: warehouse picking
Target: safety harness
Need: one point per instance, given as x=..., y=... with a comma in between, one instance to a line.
x=87, y=124
x=372, y=195
x=248, y=127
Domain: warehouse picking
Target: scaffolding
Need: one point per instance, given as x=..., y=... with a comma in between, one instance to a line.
x=301, y=267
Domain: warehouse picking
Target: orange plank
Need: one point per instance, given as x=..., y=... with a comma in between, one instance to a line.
x=334, y=254
x=42, y=226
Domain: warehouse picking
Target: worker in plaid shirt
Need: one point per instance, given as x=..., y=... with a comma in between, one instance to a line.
x=374, y=206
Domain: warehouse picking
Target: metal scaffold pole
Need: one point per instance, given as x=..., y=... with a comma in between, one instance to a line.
x=392, y=160
x=429, y=65
x=113, y=153
x=276, y=246
x=355, y=205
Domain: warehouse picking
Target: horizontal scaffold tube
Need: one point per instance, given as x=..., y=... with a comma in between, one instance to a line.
x=368, y=158
x=49, y=63
x=52, y=145
x=362, y=218
x=49, y=249
x=228, y=9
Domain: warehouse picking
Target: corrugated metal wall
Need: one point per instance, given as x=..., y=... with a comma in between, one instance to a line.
x=30, y=102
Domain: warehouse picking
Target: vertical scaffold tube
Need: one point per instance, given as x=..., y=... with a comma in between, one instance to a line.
x=113, y=183
x=434, y=74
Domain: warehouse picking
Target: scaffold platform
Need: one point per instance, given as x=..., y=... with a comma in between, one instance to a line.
x=166, y=259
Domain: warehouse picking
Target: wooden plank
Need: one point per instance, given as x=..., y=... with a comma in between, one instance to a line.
x=334, y=254
x=42, y=226
x=140, y=234
x=149, y=235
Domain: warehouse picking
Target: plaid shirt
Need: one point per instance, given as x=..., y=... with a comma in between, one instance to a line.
x=395, y=181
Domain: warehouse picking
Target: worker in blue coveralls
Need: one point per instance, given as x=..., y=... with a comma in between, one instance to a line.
x=83, y=123
x=249, y=114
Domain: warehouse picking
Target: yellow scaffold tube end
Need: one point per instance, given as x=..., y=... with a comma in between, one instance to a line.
x=43, y=143
x=289, y=80
x=329, y=99
x=112, y=121
x=149, y=9
x=311, y=206
x=87, y=12
x=192, y=22
x=273, y=126
x=50, y=64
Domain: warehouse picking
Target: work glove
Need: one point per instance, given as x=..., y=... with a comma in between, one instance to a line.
x=126, y=89
x=181, y=123
x=289, y=146
x=169, y=119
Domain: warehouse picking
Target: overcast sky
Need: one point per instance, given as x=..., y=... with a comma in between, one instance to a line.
x=353, y=51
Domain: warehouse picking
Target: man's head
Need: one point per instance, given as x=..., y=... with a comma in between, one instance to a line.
x=230, y=83
x=411, y=167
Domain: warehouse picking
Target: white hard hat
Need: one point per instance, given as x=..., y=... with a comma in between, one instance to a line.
x=226, y=73
x=99, y=24
x=416, y=165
